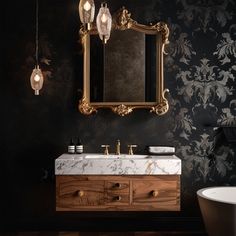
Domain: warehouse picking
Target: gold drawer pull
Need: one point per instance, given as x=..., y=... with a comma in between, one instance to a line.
x=117, y=198
x=154, y=193
x=80, y=193
x=117, y=185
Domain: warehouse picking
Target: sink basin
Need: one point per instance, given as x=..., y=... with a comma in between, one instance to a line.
x=124, y=164
x=113, y=156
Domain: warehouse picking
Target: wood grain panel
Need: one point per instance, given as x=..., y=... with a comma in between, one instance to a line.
x=68, y=194
x=167, y=193
x=100, y=193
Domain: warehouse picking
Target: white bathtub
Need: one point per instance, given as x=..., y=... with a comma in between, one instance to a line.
x=218, y=208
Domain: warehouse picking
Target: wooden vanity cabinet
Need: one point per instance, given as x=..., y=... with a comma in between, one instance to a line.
x=122, y=193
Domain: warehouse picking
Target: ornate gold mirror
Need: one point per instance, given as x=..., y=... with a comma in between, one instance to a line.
x=127, y=72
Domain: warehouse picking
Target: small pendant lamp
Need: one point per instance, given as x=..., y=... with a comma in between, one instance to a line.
x=36, y=78
x=86, y=12
x=104, y=22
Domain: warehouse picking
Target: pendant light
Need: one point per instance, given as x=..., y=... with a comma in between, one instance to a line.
x=104, y=22
x=86, y=12
x=36, y=78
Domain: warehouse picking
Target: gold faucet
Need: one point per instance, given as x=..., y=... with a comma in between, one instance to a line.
x=131, y=152
x=118, y=147
x=106, y=151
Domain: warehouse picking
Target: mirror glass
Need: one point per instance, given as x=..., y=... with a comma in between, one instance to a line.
x=126, y=71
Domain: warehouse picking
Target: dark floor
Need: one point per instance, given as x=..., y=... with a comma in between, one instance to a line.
x=45, y=233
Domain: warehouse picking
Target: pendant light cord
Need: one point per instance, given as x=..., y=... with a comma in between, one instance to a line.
x=104, y=69
x=37, y=33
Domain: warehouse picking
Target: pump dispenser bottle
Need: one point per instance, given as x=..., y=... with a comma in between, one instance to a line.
x=79, y=146
x=71, y=147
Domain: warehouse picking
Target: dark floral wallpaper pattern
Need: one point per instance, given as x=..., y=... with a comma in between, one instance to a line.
x=202, y=55
x=200, y=72
x=206, y=85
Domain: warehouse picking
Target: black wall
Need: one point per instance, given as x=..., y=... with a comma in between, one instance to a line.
x=199, y=72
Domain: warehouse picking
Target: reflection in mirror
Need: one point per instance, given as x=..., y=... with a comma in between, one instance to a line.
x=127, y=71
x=124, y=78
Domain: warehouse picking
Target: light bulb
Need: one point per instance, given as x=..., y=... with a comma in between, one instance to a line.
x=87, y=6
x=36, y=80
x=103, y=18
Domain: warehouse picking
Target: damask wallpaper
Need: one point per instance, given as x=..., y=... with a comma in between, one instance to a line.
x=200, y=73
x=202, y=60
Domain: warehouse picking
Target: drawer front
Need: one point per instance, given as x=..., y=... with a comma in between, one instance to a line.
x=76, y=193
x=117, y=186
x=117, y=198
x=157, y=194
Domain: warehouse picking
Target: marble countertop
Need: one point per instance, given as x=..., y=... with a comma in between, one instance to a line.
x=98, y=164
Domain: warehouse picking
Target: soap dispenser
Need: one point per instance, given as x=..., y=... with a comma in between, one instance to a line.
x=79, y=146
x=71, y=147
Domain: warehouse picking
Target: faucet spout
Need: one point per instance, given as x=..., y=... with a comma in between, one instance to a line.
x=118, y=147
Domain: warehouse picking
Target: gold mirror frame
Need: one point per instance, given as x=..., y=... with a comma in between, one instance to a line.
x=123, y=21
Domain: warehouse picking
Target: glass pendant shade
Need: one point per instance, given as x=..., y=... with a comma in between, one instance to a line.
x=36, y=80
x=104, y=22
x=86, y=11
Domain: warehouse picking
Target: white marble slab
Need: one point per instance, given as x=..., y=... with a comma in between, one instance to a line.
x=98, y=164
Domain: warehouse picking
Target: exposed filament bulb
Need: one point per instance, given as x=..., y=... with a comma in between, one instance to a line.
x=87, y=6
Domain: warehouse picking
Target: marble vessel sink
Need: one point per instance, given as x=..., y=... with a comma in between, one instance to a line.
x=98, y=164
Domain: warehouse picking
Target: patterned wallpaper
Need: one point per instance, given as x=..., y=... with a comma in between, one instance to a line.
x=200, y=73
x=201, y=60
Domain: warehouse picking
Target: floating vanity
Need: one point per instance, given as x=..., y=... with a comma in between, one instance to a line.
x=96, y=182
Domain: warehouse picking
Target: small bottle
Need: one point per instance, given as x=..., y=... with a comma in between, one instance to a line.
x=79, y=146
x=71, y=147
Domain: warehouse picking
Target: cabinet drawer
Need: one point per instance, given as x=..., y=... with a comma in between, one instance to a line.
x=157, y=194
x=117, y=186
x=75, y=193
x=117, y=198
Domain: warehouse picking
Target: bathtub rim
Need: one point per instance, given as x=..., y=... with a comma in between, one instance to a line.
x=200, y=194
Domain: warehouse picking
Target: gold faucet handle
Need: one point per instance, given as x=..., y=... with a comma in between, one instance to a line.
x=106, y=151
x=131, y=146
